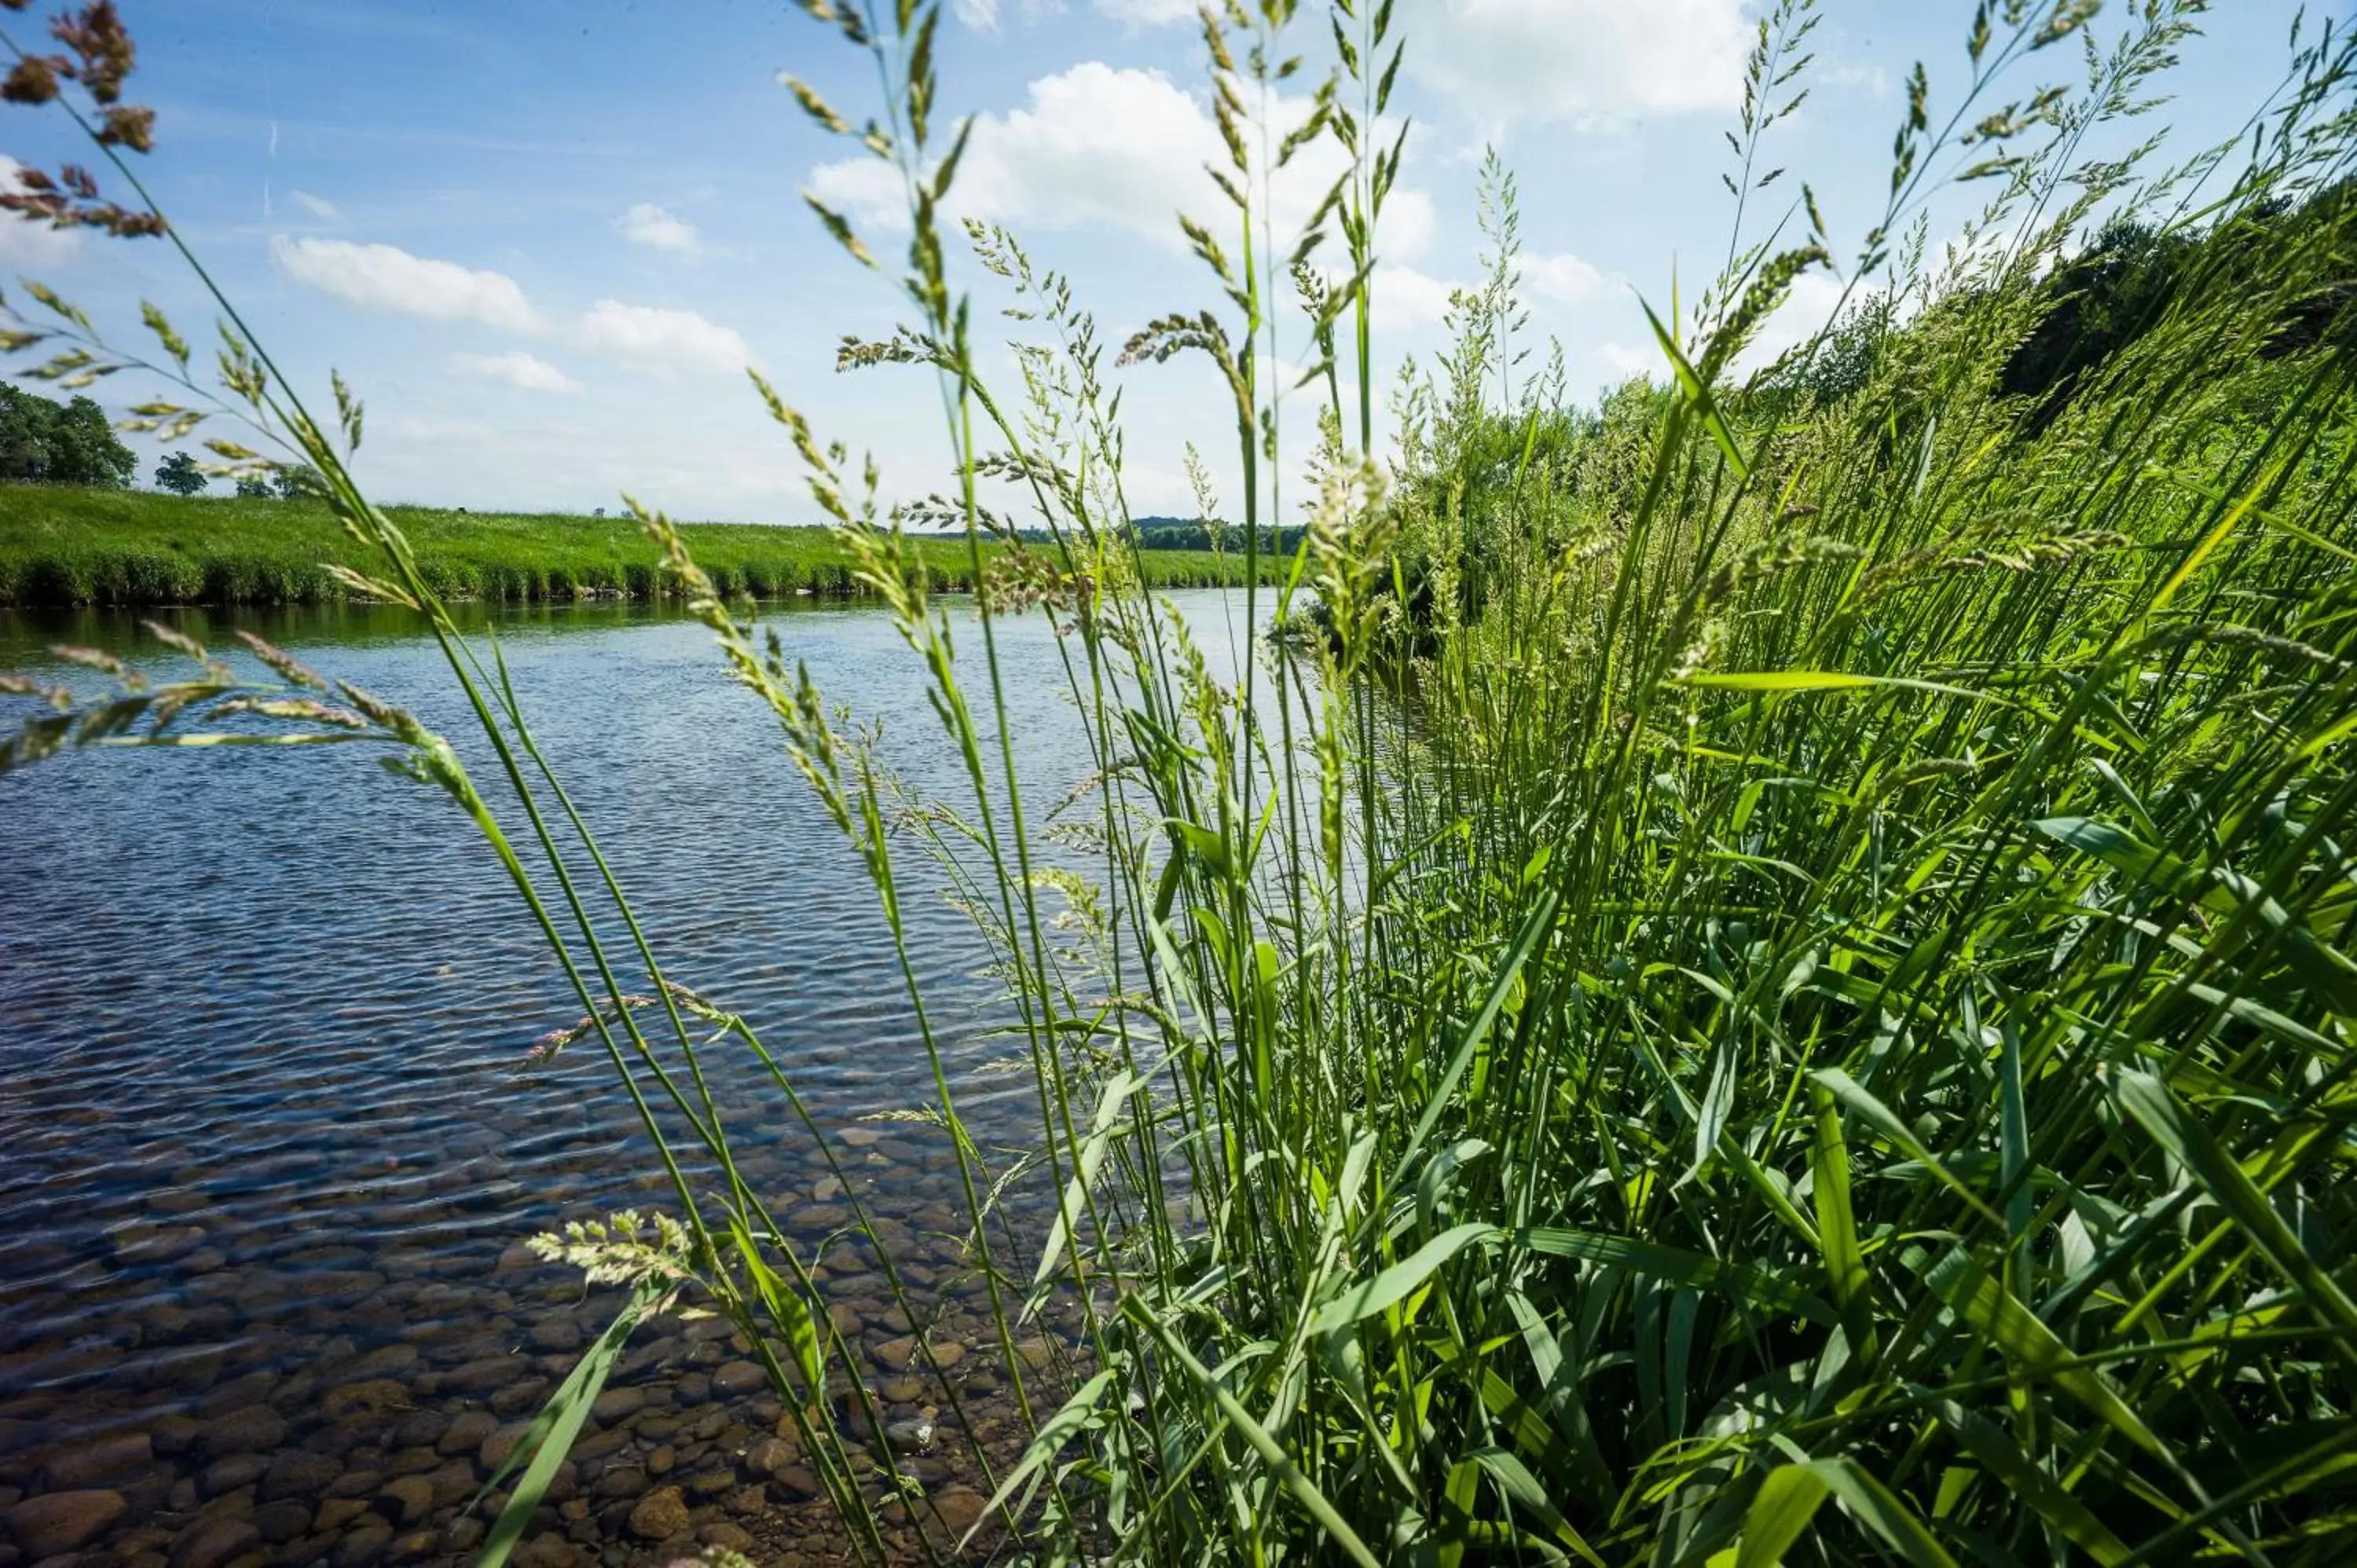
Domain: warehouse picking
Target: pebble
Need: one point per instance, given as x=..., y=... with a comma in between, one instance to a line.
x=372, y=1399
x=363, y=1547
x=379, y=1363
x=336, y=1512
x=408, y=1547
x=211, y=1543
x=175, y=1434
x=247, y=1431
x=557, y=1335
x=281, y=1521
x=548, y=1550
x=768, y=1456
x=736, y=1378
x=468, y=1432
x=710, y=1483
x=483, y=1375
x=622, y=1481
x=660, y=1515
x=101, y=1460
x=234, y=1473
x=405, y=1499
x=726, y=1536
x=297, y=1473
x=356, y=1483
x=60, y=1522
x=420, y=1429
x=616, y=1405
x=960, y=1508
x=499, y=1445
x=518, y=1398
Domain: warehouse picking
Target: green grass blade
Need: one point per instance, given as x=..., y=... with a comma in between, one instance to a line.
x=1781, y=1512
x=1394, y=1284
x=2165, y=1119
x=542, y=1449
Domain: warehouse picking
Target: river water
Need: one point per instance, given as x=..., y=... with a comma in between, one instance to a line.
x=274, y=1133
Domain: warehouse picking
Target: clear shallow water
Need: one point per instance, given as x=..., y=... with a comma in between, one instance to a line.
x=272, y=1136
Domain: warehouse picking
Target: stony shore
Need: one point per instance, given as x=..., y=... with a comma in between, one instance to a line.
x=345, y=1405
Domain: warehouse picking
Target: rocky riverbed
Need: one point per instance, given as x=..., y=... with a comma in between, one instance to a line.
x=343, y=1402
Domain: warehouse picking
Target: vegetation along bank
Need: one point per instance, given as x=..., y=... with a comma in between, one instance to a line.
x=78, y=545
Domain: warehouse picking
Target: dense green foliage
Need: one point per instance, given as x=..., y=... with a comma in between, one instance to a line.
x=179, y=474
x=46, y=442
x=1194, y=534
x=72, y=546
x=1774, y=986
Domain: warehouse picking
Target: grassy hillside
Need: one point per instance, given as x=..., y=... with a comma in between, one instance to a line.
x=65, y=545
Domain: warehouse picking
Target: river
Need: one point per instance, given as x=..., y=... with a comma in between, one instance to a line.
x=274, y=1133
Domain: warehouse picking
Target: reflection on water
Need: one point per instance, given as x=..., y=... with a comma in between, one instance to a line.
x=273, y=1138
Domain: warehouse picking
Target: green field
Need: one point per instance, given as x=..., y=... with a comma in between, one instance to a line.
x=61, y=545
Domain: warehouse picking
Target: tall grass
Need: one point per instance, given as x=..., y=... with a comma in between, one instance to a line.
x=1765, y=980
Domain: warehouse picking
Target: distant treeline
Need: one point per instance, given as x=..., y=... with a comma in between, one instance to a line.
x=1197, y=533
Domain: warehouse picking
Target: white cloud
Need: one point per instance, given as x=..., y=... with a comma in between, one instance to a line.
x=1565, y=277
x=647, y=224
x=1407, y=221
x=1100, y=146
x=1148, y=13
x=1542, y=61
x=1864, y=75
x=28, y=242
x=517, y=369
x=980, y=15
x=661, y=339
x=384, y=277
x=318, y=207
x=1406, y=297
x=867, y=190
x=1619, y=362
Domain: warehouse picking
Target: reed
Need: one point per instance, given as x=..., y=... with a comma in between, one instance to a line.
x=1767, y=977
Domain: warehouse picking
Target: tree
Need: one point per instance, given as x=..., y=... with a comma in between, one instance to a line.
x=2103, y=299
x=180, y=474
x=252, y=488
x=60, y=443
x=298, y=481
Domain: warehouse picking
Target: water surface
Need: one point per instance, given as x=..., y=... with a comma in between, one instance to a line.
x=273, y=1132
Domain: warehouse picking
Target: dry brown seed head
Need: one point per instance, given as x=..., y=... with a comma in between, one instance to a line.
x=32, y=80
x=107, y=52
x=129, y=125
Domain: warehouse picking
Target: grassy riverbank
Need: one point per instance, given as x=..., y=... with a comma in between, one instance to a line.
x=72, y=546
x=1775, y=982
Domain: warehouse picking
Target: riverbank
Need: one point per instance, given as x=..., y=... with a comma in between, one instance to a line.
x=133, y=548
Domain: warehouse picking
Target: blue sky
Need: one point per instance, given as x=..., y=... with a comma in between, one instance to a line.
x=542, y=240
